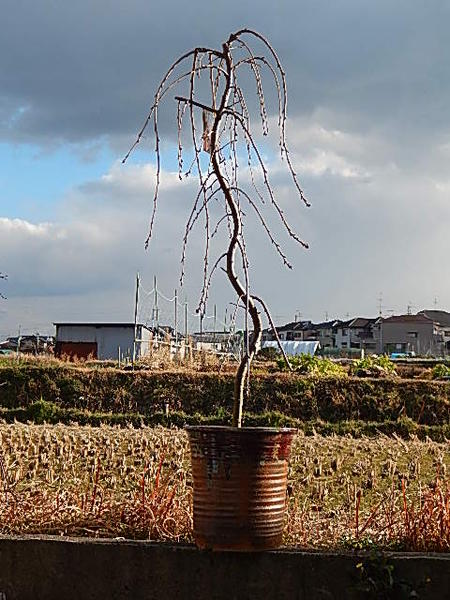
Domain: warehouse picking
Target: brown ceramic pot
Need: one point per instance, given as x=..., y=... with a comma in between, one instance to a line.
x=240, y=477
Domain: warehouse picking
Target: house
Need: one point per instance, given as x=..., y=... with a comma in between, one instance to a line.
x=28, y=344
x=301, y=331
x=356, y=333
x=408, y=333
x=325, y=333
x=104, y=341
x=441, y=320
x=427, y=332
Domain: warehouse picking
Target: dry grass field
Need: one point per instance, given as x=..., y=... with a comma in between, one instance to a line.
x=136, y=483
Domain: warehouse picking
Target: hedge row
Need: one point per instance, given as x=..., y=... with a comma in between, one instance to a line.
x=47, y=412
x=145, y=393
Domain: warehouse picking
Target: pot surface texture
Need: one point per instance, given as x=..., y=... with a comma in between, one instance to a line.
x=240, y=478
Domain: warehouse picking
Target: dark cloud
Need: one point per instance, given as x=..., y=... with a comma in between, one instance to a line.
x=78, y=71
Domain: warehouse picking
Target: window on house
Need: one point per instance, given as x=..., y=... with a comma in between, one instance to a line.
x=412, y=334
x=344, y=344
x=344, y=332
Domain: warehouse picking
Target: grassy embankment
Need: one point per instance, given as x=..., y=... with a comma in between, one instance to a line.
x=52, y=391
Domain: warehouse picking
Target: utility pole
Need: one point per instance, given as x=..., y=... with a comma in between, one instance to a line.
x=155, y=315
x=380, y=304
x=19, y=339
x=186, y=331
x=214, y=325
x=136, y=305
x=176, y=317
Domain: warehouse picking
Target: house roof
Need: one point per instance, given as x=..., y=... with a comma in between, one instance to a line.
x=438, y=316
x=345, y=323
x=407, y=319
x=327, y=324
x=361, y=322
x=292, y=326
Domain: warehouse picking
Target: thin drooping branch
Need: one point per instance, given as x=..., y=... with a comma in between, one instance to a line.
x=248, y=146
x=266, y=227
x=204, y=298
x=274, y=330
x=193, y=217
x=259, y=87
x=197, y=150
x=159, y=91
x=267, y=183
x=154, y=113
x=3, y=276
x=283, y=111
x=283, y=115
x=181, y=109
x=273, y=327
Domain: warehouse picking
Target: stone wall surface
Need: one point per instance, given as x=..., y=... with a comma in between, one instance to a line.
x=54, y=568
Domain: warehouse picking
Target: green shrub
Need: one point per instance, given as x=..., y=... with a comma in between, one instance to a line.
x=441, y=371
x=373, y=366
x=43, y=412
x=312, y=365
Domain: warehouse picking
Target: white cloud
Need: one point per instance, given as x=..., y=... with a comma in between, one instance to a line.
x=377, y=223
x=11, y=227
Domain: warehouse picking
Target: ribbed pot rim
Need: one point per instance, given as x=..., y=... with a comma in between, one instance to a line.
x=249, y=430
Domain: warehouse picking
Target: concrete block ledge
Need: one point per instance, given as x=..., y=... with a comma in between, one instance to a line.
x=46, y=567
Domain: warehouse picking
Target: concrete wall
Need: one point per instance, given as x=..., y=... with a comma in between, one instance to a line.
x=57, y=568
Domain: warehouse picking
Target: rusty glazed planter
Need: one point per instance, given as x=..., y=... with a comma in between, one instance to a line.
x=240, y=477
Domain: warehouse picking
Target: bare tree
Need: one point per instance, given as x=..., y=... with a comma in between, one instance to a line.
x=225, y=130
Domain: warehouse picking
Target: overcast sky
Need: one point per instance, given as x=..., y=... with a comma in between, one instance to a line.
x=368, y=129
